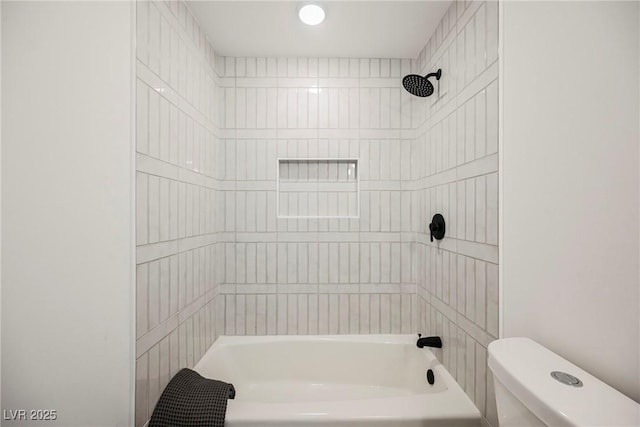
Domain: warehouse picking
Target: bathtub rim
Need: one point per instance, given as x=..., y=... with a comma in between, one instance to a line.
x=436, y=406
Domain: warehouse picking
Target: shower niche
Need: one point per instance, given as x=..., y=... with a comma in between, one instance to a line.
x=318, y=188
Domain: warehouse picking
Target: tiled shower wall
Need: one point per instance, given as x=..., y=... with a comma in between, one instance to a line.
x=214, y=258
x=320, y=275
x=455, y=172
x=176, y=128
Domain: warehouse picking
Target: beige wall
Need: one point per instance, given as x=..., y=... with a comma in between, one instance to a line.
x=67, y=213
x=570, y=198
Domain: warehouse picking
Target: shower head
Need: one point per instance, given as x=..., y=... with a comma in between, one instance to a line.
x=418, y=85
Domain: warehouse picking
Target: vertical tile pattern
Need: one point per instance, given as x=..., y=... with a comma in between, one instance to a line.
x=215, y=258
x=177, y=189
x=456, y=174
x=323, y=275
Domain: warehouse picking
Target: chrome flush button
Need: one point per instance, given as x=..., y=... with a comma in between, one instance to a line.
x=567, y=379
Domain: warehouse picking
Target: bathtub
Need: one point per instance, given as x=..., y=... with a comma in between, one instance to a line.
x=336, y=380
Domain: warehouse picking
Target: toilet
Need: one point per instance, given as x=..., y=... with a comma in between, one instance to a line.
x=536, y=387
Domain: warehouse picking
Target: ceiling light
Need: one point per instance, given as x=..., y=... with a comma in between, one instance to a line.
x=311, y=14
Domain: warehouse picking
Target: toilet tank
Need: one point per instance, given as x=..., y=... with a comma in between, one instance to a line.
x=528, y=394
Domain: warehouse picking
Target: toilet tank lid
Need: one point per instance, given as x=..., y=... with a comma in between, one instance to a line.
x=524, y=367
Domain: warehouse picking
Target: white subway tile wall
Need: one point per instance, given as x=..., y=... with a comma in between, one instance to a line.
x=454, y=172
x=285, y=272
x=218, y=251
x=176, y=188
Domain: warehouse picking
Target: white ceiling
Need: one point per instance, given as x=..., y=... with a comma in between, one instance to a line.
x=375, y=29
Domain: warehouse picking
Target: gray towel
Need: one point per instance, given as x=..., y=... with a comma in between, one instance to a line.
x=190, y=400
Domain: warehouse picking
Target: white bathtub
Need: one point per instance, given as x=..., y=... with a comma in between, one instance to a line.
x=339, y=380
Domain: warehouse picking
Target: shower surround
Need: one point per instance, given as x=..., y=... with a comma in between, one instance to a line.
x=214, y=258
x=455, y=172
x=314, y=275
x=176, y=128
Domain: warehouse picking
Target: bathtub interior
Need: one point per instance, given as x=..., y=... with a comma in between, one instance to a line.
x=297, y=369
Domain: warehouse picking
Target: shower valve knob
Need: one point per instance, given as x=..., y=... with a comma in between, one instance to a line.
x=437, y=227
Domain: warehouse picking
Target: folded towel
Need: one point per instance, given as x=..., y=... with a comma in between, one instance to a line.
x=190, y=400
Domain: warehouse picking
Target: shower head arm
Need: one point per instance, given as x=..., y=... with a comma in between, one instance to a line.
x=437, y=74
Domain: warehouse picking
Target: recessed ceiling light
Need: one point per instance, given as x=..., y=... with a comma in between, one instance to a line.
x=311, y=14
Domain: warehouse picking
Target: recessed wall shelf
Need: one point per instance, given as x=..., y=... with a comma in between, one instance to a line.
x=318, y=188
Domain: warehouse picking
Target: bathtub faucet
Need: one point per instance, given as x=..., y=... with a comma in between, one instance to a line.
x=429, y=342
